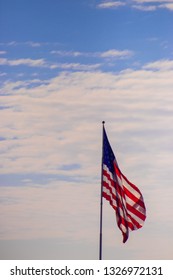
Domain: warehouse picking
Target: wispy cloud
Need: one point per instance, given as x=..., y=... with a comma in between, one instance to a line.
x=116, y=54
x=112, y=53
x=152, y=5
x=69, y=53
x=2, y=74
x=2, y=52
x=34, y=44
x=75, y=66
x=31, y=44
x=152, y=1
x=23, y=61
x=142, y=5
x=168, y=6
x=145, y=8
x=160, y=65
x=42, y=63
x=110, y=4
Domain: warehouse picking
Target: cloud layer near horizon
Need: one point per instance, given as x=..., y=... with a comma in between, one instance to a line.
x=53, y=127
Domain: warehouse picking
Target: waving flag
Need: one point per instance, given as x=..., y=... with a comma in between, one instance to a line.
x=125, y=198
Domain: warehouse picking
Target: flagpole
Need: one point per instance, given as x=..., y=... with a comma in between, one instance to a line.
x=101, y=200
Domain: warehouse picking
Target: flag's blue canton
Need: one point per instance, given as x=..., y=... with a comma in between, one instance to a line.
x=108, y=155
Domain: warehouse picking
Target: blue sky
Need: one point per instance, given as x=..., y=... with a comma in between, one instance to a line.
x=64, y=67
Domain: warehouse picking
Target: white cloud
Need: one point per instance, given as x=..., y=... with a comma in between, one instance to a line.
x=76, y=66
x=68, y=53
x=116, y=54
x=110, y=4
x=28, y=62
x=145, y=8
x=42, y=63
x=12, y=43
x=147, y=5
x=27, y=43
x=143, y=5
x=2, y=74
x=168, y=6
x=3, y=61
x=23, y=61
x=152, y=1
x=2, y=52
x=34, y=44
x=112, y=53
x=160, y=65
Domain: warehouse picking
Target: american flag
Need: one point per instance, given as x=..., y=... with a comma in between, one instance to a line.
x=125, y=198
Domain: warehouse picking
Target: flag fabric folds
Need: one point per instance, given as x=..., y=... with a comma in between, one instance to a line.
x=125, y=198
